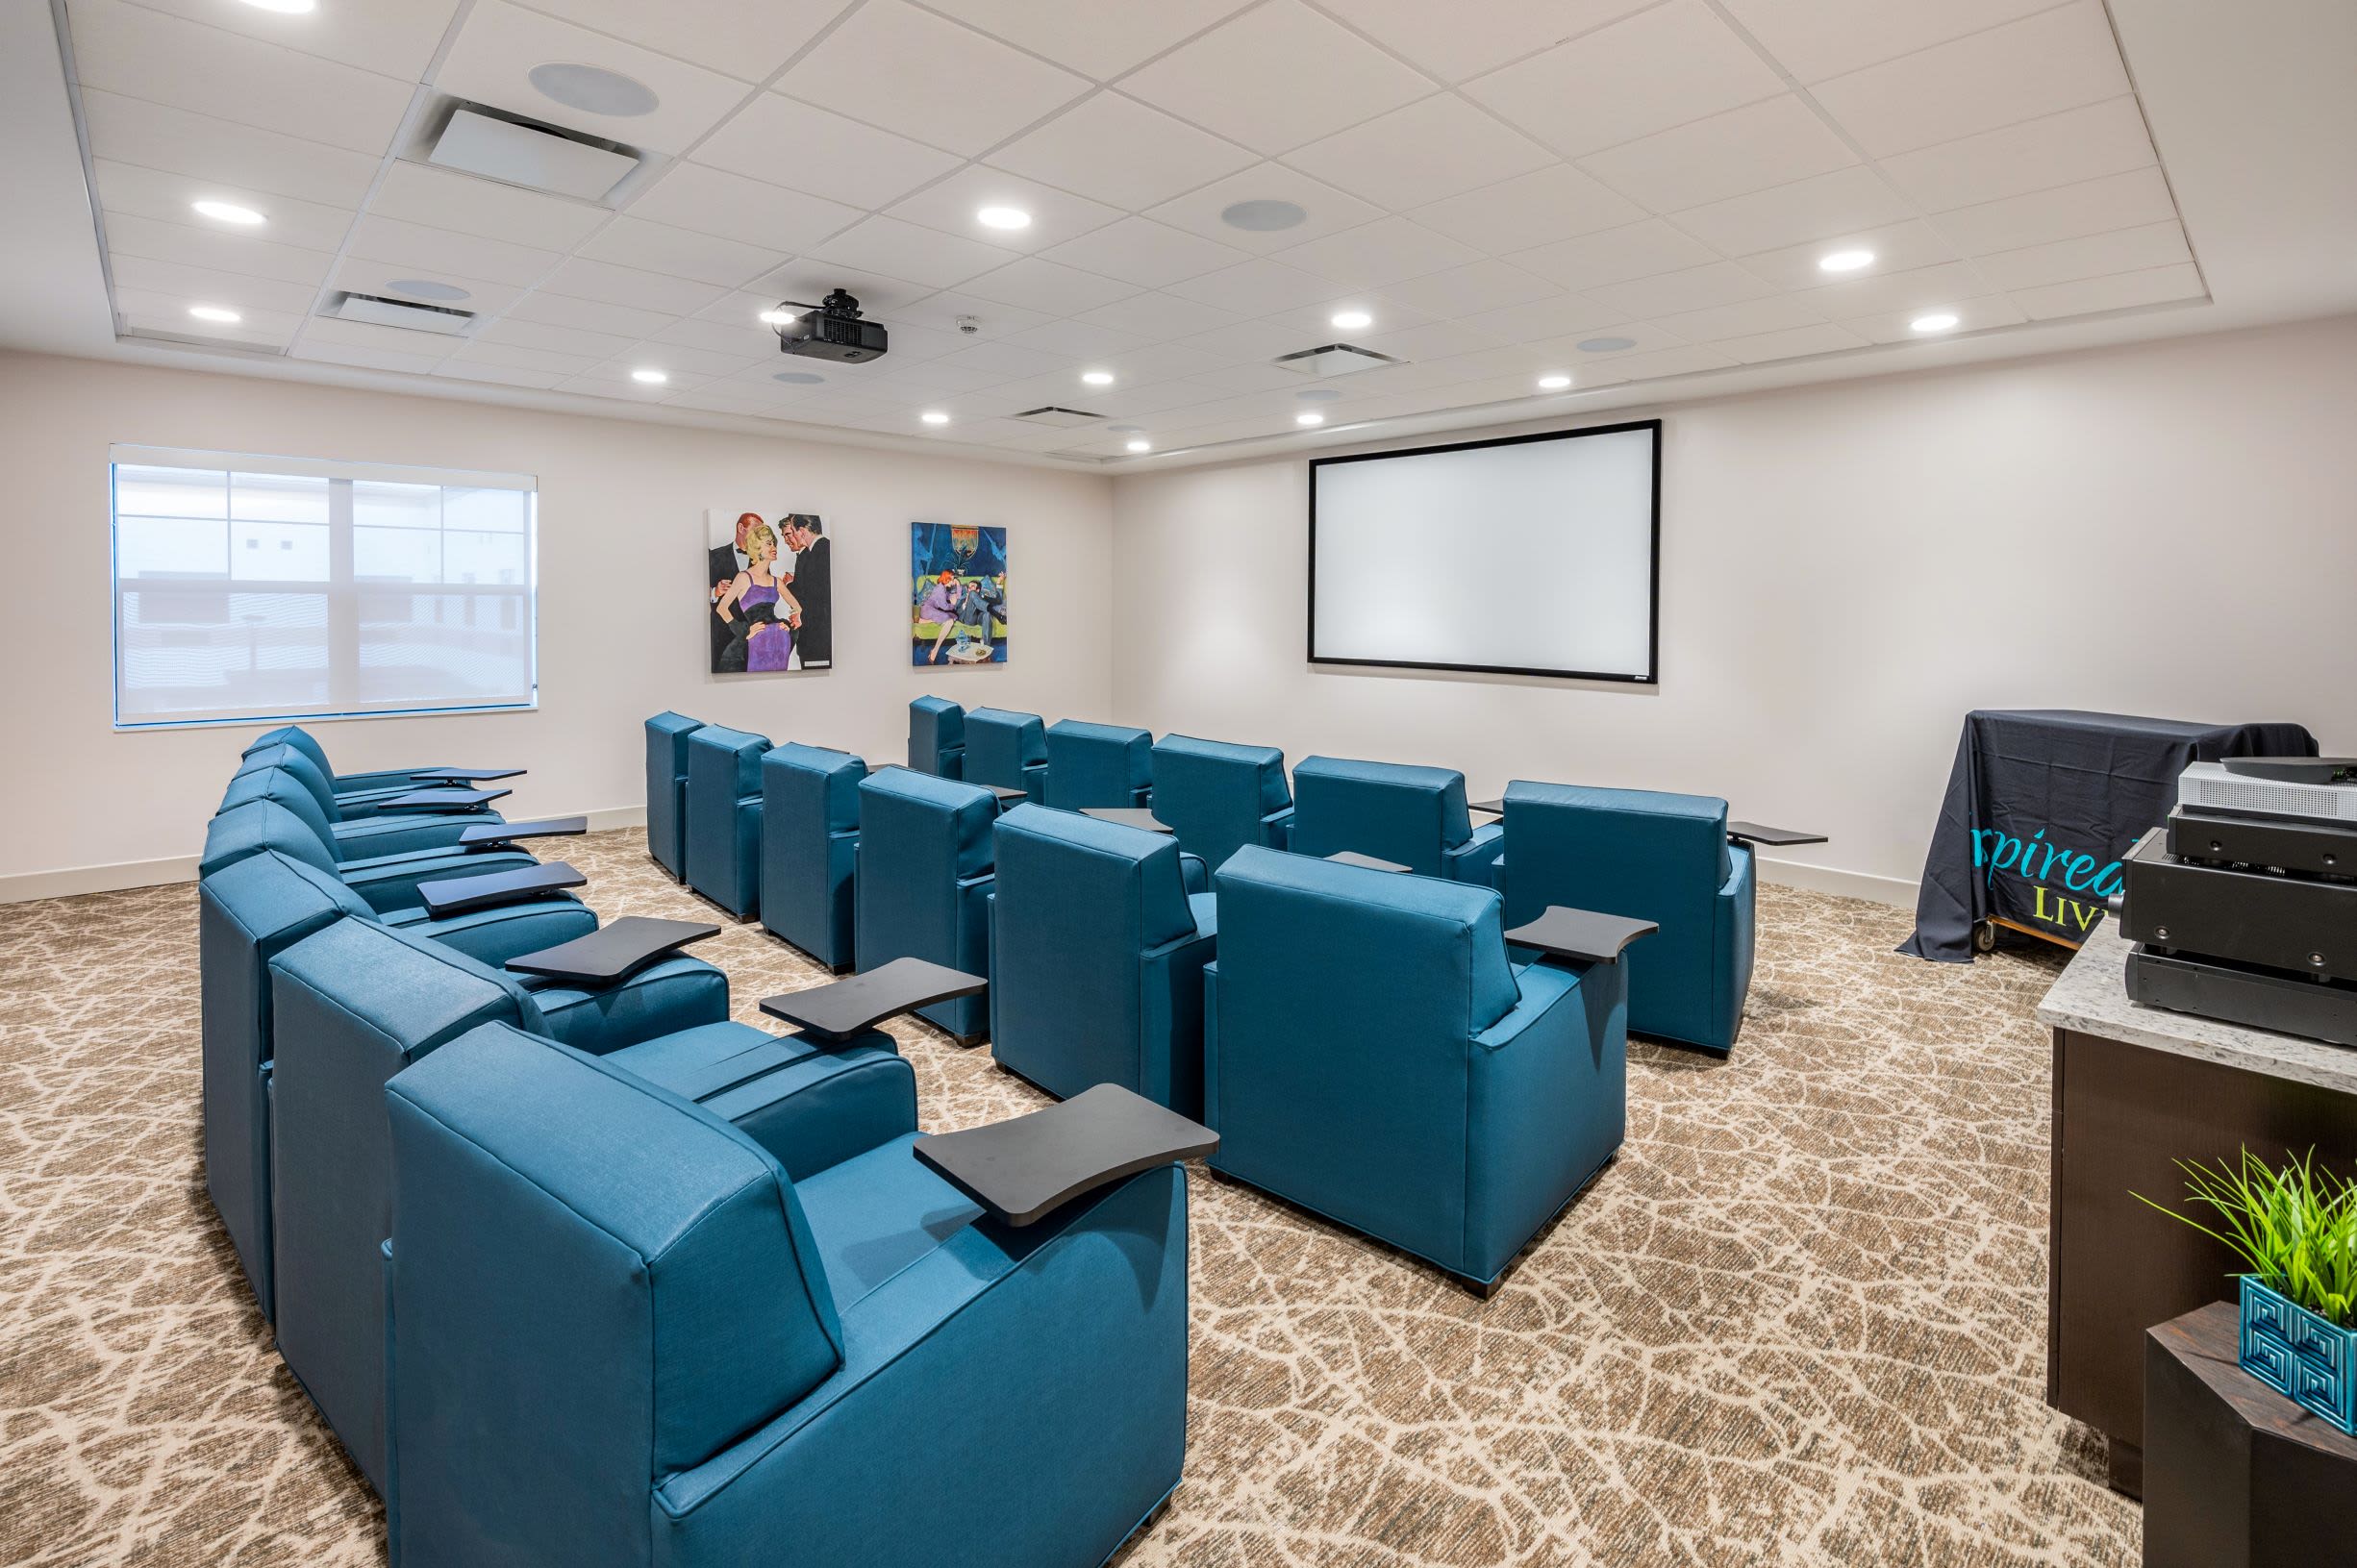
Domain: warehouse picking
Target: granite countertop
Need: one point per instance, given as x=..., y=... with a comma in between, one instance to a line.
x=2092, y=998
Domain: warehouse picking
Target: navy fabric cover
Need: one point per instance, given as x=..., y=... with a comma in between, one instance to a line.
x=936, y=736
x=1651, y=857
x=724, y=816
x=1009, y=749
x=1394, y=811
x=666, y=790
x=925, y=880
x=1219, y=797
x=1372, y=1056
x=624, y=1338
x=1096, y=961
x=1099, y=764
x=809, y=839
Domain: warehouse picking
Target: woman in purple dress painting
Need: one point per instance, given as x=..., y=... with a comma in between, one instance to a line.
x=755, y=607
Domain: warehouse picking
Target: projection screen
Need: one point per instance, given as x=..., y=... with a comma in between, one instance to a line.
x=1534, y=554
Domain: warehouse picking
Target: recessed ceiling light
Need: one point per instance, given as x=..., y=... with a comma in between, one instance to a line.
x=1097, y=377
x=1353, y=320
x=1606, y=345
x=213, y=313
x=1845, y=261
x=652, y=378
x=285, y=7
x=1140, y=447
x=227, y=213
x=1003, y=217
x=799, y=378
x=1936, y=322
x=426, y=288
x=1262, y=216
x=777, y=318
x=933, y=416
x=1308, y=419
x=593, y=90
x=1553, y=383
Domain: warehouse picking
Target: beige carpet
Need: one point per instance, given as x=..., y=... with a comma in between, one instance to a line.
x=1801, y=1321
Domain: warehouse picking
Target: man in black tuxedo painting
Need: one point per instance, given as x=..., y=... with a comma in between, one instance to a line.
x=814, y=588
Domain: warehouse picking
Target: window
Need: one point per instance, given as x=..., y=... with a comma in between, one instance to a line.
x=278, y=587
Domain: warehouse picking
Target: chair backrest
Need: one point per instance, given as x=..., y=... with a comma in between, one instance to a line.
x=1392, y=810
x=300, y=739
x=723, y=763
x=920, y=837
x=810, y=817
x=554, y=1213
x=283, y=788
x=936, y=736
x=667, y=774
x=1348, y=1001
x=297, y=764
x=1097, y=764
x=999, y=745
x=261, y=824
x=1216, y=794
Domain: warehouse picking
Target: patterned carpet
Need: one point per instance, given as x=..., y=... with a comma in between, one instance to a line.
x=1798, y=1322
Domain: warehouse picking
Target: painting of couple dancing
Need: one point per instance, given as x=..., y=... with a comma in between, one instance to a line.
x=957, y=594
x=769, y=594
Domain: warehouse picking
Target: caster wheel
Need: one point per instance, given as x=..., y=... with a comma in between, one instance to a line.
x=1984, y=937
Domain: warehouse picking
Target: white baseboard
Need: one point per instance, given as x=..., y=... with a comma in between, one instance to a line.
x=1897, y=891
x=70, y=881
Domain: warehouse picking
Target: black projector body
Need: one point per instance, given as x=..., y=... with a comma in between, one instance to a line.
x=833, y=331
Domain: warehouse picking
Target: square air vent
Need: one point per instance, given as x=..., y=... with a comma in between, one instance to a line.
x=1334, y=360
x=1061, y=419
x=380, y=312
x=536, y=156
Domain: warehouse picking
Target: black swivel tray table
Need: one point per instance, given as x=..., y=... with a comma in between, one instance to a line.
x=1027, y=1167
x=612, y=953
x=859, y=1002
x=1580, y=935
x=457, y=895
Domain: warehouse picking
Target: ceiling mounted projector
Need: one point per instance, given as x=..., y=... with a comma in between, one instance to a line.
x=832, y=329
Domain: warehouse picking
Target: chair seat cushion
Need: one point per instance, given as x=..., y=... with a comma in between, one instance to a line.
x=1205, y=908
x=693, y=1062
x=876, y=1215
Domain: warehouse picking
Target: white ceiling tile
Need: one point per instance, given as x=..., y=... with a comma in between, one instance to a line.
x=459, y=368
x=514, y=332
x=1314, y=324
x=1159, y=316
x=431, y=250
x=1327, y=211
x=406, y=362
x=1275, y=77
x=2093, y=256
x=1671, y=361
x=446, y=199
x=1752, y=318
x=1256, y=287
x=807, y=280
x=1379, y=252
x=1157, y=363
x=615, y=383
x=1464, y=290
x=2042, y=65
x=1530, y=210
x=396, y=41
x=926, y=77
x=743, y=337
x=713, y=201
x=221, y=249
x=1435, y=341
x=1077, y=338
x=1137, y=402
x=916, y=345
x=995, y=320
x=430, y=347
x=499, y=44
x=628, y=322
x=206, y=286
x=2159, y=286
x=150, y=194
x=629, y=286
x=1116, y=150
x=685, y=358
x=1844, y=201
x=1614, y=255
x=1099, y=38
x=1542, y=320
x=1037, y=285
x=2078, y=144
x=144, y=311
x=680, y=253
x=724, y=397
x=1440, y=147
x=1817, y=38
x=1143, y=252
x=159, y=137
x=748, y=40
x=1898, y=247
x=1453, y=46
x=1656, y=69
x=1790, y=343
x=2116, y=201
x=1972, y=315
x=1919, y=289
x=1004, y=360
x=1056, y=216
x=1694, y=288
x=483, y=296
x=1745, y=150
x=145, y=54
x=781, y=141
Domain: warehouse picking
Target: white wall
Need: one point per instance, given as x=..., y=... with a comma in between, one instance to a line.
x=2166, y=530
x=621, y=520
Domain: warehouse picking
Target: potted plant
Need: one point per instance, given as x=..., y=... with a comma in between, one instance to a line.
x=2296, y=1228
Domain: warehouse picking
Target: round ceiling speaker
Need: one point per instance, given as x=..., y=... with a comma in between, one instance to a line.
x=799, y=378
x=1607, y=345
x=1262, y=216
x=593, y=89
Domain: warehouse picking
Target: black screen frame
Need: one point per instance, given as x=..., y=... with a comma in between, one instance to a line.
x=1653, y=606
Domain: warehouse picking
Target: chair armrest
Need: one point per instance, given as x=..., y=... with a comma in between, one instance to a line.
x=1740, y=871
x=1022, y=1169
x=1277, y=828
x=485, y=836
x=391, y=882
x=663, y=999
x=464, y=776
x=1542, y=987
x=820, y=1109
x=1193, y=875
x=458, y=895
x=441, y=800
x=493, y=937
x=381, y=781
x=1754, y=834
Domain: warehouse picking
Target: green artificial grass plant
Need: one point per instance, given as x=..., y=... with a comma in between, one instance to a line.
x=2296, y=1226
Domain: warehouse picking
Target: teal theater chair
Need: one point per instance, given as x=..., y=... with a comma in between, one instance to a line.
x=1007, y=750
x=300, y=789
x=1370, y=1055
x=1096, y=958
x=248, y=911
x=810, y=840
x=355, y=1002
x=340, y=806
x=1394, y=811
x=625, y=1336
x=924, y=883
x=666, y=790
x=357, y=785
x=1099, y=764
x=936, y=736
x=1651, y=857
x=723, y=814
x=386, y=883
x=1219, y=797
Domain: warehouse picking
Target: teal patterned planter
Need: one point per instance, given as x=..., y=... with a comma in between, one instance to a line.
x=2300, y=1354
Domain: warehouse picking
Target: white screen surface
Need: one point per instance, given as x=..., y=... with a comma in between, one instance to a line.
x=1530, y=556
